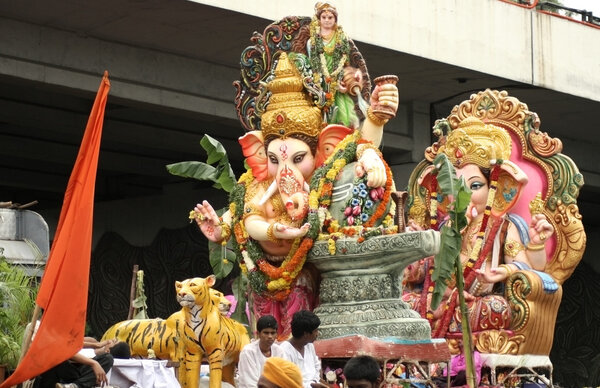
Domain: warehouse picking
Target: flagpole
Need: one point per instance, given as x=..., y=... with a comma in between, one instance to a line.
x=29, y=331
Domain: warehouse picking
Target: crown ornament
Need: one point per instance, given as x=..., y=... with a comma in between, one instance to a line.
x=290, y=109
x=325, y=7
x=478, y=143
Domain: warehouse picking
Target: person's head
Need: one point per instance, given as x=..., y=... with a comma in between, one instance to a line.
x=120, y=350
x=305, y=325
x=280, y=373
x=362, y=372
x=267, y=331
x=326, y=13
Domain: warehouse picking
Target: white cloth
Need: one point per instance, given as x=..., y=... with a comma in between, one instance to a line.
x=87, y=352
x=309, y=364
x=251, y=363
x=126, y=373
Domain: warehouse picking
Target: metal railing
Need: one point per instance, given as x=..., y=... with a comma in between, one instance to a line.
x=586, y=16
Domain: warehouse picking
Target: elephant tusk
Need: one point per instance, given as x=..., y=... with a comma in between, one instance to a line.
x=306, y=187
x=269, y=193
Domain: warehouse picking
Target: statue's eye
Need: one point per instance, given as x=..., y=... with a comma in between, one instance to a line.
x=298, y=158
x=273, y=159
x=476, y=185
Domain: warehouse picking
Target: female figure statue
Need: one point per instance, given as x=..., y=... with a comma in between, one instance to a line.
x=329, y=52
x=495, y=243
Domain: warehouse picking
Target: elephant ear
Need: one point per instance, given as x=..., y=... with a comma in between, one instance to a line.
x=329, y=138
x=253, y=148
x=510, y=184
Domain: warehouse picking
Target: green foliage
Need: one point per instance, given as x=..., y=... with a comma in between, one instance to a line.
x=140, y=309
x=239, y=287
x=222, y=174
x=17, y=301
x=221, y=259
x=459, y=196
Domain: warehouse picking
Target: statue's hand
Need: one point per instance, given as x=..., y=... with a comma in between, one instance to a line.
x=208, y=221
x=413, y=226
x=495, y=275
x=385, y=95
x=352, y=81
x=285, y=232
x=370, y=163
x=540, y=229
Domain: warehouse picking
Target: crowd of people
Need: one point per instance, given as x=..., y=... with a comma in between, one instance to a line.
x=294, y=363
x=263, y=363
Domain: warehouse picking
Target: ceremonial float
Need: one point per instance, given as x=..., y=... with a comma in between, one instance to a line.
x=316, y=222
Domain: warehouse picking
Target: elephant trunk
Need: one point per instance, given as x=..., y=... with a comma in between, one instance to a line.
x=297, y=205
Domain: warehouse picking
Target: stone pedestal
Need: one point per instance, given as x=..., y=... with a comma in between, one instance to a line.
x=361, y=286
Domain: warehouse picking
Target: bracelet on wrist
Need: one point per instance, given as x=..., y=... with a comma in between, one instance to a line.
x=508, y=268
x=271, y=233
x=535, y=247
x=376, y=120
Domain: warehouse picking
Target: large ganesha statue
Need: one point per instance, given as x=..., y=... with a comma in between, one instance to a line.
x=301, y=161
x=523, y=236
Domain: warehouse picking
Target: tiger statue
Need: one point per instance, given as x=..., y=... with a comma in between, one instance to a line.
x=198, y=330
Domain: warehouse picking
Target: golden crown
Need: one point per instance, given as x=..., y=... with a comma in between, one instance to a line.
x=478, y=143
x=290, y=109
x=324, y=6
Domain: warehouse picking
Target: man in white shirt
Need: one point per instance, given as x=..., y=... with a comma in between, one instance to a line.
x=254, y=355
x=300, y=349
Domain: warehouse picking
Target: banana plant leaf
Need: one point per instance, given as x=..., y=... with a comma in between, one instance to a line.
x=221, y=259
x=240, y=288
x=221, y=174
x=459, y=196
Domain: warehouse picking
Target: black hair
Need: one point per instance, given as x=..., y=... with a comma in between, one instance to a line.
x=304, y=321
x=120, y=350
x=266, y=322
x=486, y=173
x=362, y=367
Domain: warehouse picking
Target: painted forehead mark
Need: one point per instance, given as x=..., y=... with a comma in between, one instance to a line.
x=283, y=151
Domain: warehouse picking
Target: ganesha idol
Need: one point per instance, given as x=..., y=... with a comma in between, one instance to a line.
x=524, y=234
x=279, y=205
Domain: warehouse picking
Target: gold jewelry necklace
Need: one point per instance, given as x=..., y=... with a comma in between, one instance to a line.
x=469, y=235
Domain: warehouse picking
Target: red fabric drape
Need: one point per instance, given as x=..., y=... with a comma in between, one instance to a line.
x=64, y=288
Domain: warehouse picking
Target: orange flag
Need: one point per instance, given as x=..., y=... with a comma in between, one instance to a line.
x=64, y=288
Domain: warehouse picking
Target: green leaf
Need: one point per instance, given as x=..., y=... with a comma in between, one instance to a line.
x=446, y=176
x=221, y=175
x=139, y=302
x=215, y=150
x=222, y=266
x=141, y=314
x=239, y=287
x=196, y=170
x=444, y=263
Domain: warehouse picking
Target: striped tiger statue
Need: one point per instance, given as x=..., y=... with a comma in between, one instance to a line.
x=196, y=331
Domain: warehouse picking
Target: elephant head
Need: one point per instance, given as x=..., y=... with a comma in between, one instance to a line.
x=289, y=162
